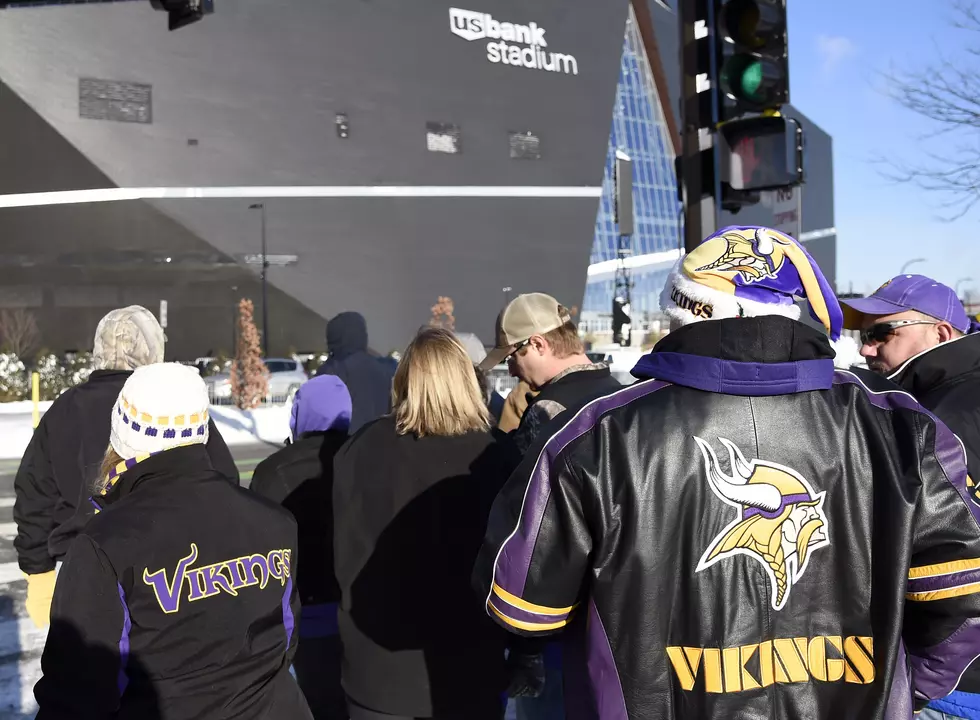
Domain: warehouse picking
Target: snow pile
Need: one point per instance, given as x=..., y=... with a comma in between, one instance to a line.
x=268, y=424
x=237, y=427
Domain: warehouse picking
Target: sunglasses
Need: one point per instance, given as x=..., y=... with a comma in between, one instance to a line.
x=518, y=347
x=879, y=332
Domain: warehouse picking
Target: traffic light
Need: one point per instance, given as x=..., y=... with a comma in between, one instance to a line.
x=751, y=55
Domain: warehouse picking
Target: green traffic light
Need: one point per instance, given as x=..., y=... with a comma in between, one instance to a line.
x=751, y=80
x=742, y=78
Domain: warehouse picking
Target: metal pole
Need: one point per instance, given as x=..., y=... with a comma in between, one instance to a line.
x=265, y=297
x=265, y=266
x=700, y=215
x=909, y=264
x=799, y=212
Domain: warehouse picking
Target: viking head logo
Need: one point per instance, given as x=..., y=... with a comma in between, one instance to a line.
x=779, y=519
x=753, y=255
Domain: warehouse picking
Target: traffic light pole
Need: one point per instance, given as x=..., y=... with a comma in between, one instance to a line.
x=697, y=142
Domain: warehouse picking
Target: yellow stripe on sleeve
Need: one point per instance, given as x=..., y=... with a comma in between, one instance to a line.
x=531, y=627
x=970, y=589
x=529, y=607
x=946, y=568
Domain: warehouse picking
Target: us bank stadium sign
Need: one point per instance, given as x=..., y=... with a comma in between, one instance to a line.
x=522, y=46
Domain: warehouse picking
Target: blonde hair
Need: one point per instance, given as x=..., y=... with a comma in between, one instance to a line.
x=109, y=461
x=435, y=391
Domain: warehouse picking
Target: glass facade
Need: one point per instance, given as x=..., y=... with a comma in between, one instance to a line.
x=639, y=130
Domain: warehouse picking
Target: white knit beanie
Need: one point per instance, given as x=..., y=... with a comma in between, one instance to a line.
x=161, y=406
x=128, y=338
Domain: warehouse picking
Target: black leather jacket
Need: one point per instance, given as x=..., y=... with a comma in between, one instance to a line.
x=746, y=533
x=946, y=381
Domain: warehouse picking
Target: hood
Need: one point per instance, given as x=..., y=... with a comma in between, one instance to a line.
x=753, y=356
x=321, y=404
x=346, y=334
x=938, y=365
x=128, y=338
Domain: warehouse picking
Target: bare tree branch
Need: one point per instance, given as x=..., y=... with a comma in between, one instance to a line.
x=19, y=332
x=946, y=93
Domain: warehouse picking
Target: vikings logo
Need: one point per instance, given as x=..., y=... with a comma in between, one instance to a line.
x=753, y=258
x=779, y=519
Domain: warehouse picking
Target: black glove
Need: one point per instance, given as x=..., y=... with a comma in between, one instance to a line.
x=526, y=674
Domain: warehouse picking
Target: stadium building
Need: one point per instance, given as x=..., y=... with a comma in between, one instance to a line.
x=387, y=152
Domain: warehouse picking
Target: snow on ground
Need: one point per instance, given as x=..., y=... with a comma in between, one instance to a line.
x=237, y=427
x=22, y=406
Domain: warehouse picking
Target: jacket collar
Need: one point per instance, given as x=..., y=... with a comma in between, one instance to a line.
x=743, y=356
x=109, y=375
x=938, y=365
x=167, y=466
x=573, y=374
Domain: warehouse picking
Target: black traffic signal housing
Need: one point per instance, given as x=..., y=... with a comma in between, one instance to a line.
x=751, y=58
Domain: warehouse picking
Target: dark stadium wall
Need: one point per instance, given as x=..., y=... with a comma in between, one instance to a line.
x=249, y=96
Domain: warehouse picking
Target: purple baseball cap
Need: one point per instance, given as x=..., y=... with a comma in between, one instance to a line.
x=909, y=292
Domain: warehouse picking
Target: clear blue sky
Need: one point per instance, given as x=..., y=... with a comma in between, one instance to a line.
x=838, y=48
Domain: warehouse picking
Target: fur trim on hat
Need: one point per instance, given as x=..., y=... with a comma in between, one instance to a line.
x=685, y=301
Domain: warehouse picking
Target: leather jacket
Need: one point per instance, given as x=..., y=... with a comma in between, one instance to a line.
x=746, y=532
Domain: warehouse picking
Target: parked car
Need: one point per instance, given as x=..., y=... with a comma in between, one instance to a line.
x=285, y=377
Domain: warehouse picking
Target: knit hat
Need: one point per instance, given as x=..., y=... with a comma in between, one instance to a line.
x=748, y=271
x=161, y=407
x=321, y=404
x=128, y=338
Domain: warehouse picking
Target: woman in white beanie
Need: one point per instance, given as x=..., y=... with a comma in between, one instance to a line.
x=67, y=448
x=177, y=599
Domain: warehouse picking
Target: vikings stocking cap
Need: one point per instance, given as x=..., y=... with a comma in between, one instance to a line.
x=749, y=271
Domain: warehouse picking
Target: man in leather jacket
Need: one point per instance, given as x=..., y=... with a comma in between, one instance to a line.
x=746, y=532
x=915, y=331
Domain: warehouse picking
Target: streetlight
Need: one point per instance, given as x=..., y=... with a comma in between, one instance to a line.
x=265, y=267
x=961, y=280
x=910, y=262
x=506, y=291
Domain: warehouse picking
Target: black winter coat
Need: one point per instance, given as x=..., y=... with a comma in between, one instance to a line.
x=409, y=515
x=746, y=533
x=62, y=461
x=300, y=478
x=571, y=388
x=946, y=381
x=175, y=602
x=367, y=377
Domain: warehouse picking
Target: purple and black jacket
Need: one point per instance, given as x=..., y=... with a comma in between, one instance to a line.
x=745, y=532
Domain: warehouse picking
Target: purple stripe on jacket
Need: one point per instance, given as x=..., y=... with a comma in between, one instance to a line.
x=606, y=685
x=123, y=680
x=899, y=705
x=514, y=559
x=287, y=611
x=736, y=378
x=515, y=613
x=943, y=582
x=937, y=670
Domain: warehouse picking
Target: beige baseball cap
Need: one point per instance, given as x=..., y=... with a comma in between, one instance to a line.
x=524, y=316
